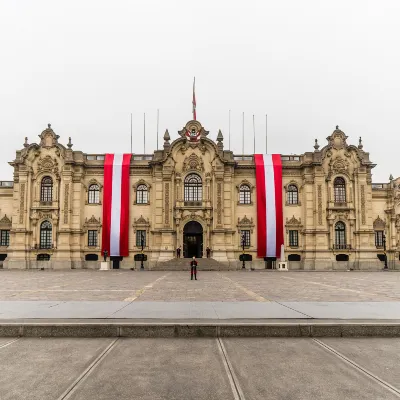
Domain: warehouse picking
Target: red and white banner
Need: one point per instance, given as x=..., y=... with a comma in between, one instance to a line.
x=115, y=238
x=269, y=204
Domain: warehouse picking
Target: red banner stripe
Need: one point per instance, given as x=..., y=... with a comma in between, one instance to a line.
x=125, y=190
x=261, y=206
x=276, y=159
x=107, y=199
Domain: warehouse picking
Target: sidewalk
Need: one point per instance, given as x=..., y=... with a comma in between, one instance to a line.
x=190, y=319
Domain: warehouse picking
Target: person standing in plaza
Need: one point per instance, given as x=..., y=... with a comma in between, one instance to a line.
x=178, y=252
x=193, y=268
x=208, y=251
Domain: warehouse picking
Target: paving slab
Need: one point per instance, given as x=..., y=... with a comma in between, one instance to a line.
x=42, y=369
x=379, y=356
x=297, y=369
x=348, y=310
x=6, y=340
x=155, y=369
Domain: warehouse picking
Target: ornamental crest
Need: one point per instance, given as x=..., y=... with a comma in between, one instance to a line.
x=193, y=163
x=193, y=131
x=338, y=139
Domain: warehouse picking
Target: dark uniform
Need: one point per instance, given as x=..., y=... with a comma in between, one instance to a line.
x=193, y=269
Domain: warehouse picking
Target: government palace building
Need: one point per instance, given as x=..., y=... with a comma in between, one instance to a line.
x=193, y=194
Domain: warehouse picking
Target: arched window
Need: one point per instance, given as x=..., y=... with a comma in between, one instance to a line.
x=244, y=194
x=340, y=235
x=339, y=187
x=193, y=188
x=45, y=235
x=142, y=194
x=94, y=194
x=46, y=190
x=292, y=194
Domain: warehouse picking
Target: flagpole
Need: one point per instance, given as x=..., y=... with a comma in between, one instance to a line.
x=229, y=129
x=254, y=136
x=144, y=133
x=266, y=133
x=242, y=135
x=131, y=135
x=158, y=120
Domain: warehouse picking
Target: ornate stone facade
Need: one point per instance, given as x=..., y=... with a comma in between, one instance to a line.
x=332, y=206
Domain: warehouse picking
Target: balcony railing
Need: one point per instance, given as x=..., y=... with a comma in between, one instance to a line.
x=342, y=247
x=193, y=203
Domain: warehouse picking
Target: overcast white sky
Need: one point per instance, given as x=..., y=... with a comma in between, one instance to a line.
x=85, y=65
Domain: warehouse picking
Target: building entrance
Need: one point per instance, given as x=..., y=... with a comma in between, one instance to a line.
x=193, y=240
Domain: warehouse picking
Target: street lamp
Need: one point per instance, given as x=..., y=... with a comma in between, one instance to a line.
x=142, y=257
x=385, y=268
x=243, y=243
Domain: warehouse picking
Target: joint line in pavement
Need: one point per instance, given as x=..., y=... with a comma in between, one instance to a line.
x=67, y=394
x=139, y=292
x=350, y=362
x=233, y=381
x=8, y=343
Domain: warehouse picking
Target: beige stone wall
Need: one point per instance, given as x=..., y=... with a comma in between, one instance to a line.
x=219, y=213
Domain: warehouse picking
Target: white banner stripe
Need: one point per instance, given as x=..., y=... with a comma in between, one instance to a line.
x=270, y=204
x=116, y=206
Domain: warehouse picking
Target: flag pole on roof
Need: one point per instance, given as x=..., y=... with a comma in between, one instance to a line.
x=194, y=99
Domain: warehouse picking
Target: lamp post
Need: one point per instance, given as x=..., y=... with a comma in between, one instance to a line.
x=243, y=243
x=385, y=268
x=141, y=258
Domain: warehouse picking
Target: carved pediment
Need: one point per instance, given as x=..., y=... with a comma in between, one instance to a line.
x=379, y=224
x=293, y=221
x=245, y=221
x=338, y=139
x=92, y=221
x=5, y=221
x=193, y=163
x=141, y=221
x=48, y=138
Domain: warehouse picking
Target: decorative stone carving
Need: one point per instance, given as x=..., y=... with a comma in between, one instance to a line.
x=5, y=222
x=219, y=203
x=66, y=202
x=48, y=138
x=379, y=224
x=319, y=194
x=21, y=202
x=47, y=164
x=293, y=221
x=166, y=207
x=338, y=139
x=193, y=131
x=245, y=223
x=363, y=217
x=141, y=223
x=193, y=163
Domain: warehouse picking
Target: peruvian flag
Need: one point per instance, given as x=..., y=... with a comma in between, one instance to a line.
x=115, y=238
x=269, y=204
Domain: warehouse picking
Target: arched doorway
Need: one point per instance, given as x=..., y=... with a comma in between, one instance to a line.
x=193, y=240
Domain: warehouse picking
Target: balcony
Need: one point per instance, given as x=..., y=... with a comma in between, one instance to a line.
x=342, y=247
x=193, y=203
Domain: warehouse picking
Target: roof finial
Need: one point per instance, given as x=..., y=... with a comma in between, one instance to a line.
x=360, y=145
x=166, y=136
x=69, y=143
x=26, y=142
x=391, y=178
x=49, y=126
x=337, y=127
x=316, y=145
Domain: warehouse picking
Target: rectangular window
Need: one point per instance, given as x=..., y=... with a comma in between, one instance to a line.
x=293, y=238
x=245, y=236
x=379, y=238
x=4, y=238
x=139, y=235
x=92, y=238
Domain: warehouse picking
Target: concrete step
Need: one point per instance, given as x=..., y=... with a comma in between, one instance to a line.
x=183, y=264
x=87, y=328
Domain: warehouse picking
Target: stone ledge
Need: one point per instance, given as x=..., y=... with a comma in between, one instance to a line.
x=193, y=329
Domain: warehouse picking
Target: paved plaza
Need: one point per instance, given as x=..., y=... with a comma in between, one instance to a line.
x=240, y=368
x=229, y=286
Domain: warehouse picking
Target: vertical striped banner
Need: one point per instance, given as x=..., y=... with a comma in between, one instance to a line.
x=269, y=204
x=115, y=237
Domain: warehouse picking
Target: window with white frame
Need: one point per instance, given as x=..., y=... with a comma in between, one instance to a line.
x=244, y=194
x=292, y=194
x=142, y=194
x=94, y=194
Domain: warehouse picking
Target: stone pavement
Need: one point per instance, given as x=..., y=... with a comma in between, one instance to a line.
x=260, y=286
x=199, y=369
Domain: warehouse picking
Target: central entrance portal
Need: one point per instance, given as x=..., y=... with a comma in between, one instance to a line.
x=193, y=240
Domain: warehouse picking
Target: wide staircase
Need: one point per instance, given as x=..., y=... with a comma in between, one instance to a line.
x=183, y=264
